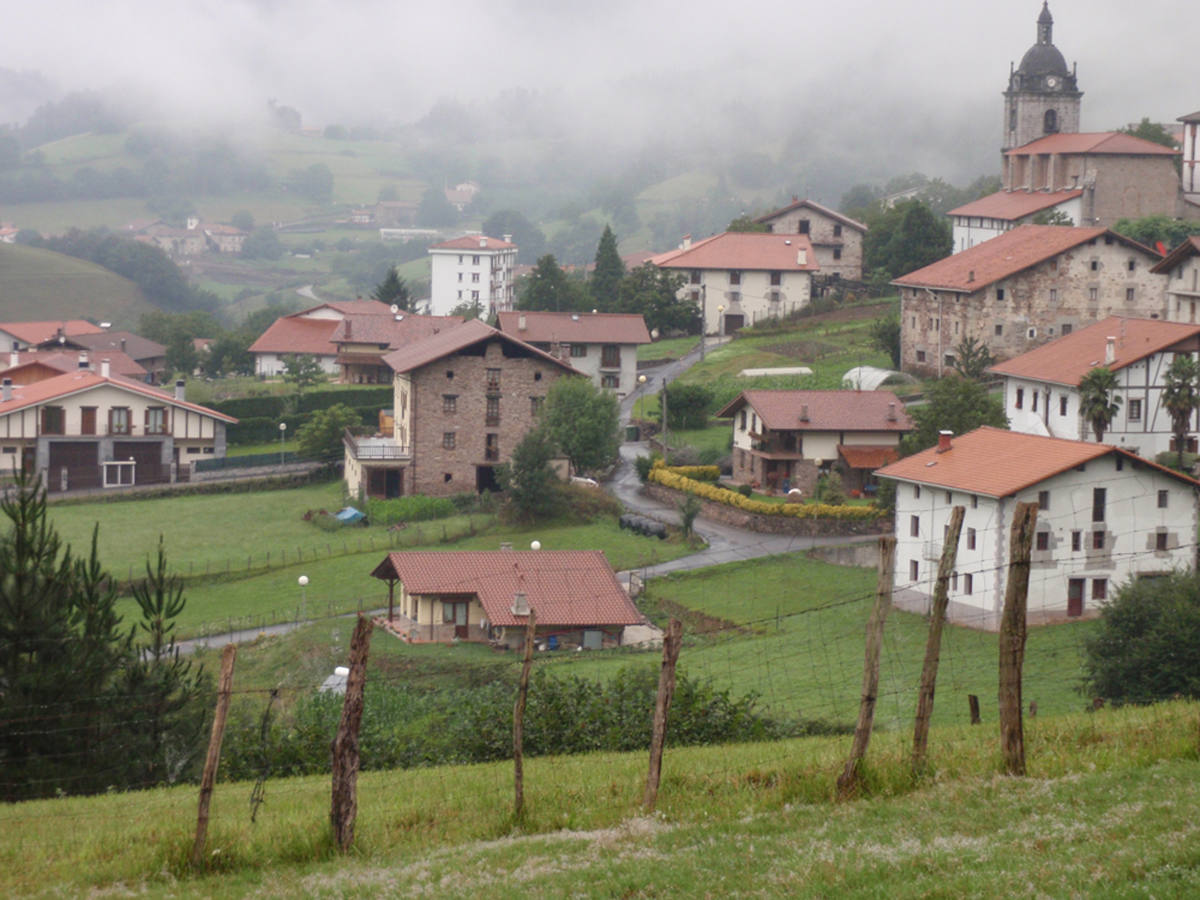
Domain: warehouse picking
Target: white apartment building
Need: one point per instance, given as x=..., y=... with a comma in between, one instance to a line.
x=472, y=269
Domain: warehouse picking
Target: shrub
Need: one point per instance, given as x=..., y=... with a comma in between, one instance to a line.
x=413, y=508
x=688, y=510
x=745, y=490
x=664, y=476
x=688, y=405
x=644, y=464
x=830, y=490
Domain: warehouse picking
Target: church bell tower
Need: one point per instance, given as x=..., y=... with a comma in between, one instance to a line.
x=1043, y=96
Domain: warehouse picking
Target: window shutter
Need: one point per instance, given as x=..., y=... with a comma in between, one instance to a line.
x=146, y=420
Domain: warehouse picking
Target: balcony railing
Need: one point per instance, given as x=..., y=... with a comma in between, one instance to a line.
x=376, y=448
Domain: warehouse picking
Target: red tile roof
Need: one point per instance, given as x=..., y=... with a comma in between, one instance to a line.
x=446, y=343
x=576, y=328
x=999, y=463
x=68, y=361
x=347, y=308
x=1190, y=247
x=474, y=242
x=744, y=250
x=37, y=332
x=1006, y=255
x=65, y=385
x=136, y=346
x=392, y=330
x=867, y=457
x=290, y=334
x=823, y=210
x=1013, y=205
x=1067, y=359
x=827, y=410
x=570, y=588
x=1103, y=142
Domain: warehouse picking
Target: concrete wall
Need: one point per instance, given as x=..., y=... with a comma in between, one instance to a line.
x=751, y=298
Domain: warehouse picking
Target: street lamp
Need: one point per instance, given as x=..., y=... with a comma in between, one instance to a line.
x=720, y=320
x=703, y=319
x=282, y=437
x=303, y=582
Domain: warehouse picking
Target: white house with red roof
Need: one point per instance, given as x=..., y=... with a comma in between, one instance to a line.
x=487, y=595
x=1105, y=516
x=474, y=269
x=991, y=216
x=1041, y=387
x=602, y=346
x=23, y=335
x=739, y=278
x=1022, y=289
x=837, y=240
x=310, y=332
x=787, y=439
x=86, y=429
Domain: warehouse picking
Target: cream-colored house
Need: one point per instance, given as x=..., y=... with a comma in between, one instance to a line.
x=739, y=278
x=85, y=429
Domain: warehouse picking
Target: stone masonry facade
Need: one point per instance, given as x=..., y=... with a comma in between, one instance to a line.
x=1103, y=277
x=838, y=247
x=469, y=410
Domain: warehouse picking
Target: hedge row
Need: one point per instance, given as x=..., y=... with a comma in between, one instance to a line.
x=667, y=478
x=261, y=429
x=275, y=405
x=698, y=473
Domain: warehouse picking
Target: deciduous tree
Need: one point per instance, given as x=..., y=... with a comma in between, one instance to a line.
x=653, y=292
x=529, y=481
x=321, y=436
x=952, y=404
x=972, y=358
x=583, y=421
x=303, y=370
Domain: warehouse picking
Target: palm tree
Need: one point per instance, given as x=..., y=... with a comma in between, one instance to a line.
x=1098, y=401
x=1181, y=397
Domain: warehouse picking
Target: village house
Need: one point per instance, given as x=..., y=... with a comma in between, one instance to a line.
x=1181, y=268
x=1022, y=289
x=23, y=335
x=309, y=331
x=1190, y=168
x=787, y=439
x=602, y=346
x=363, y=341
x=1105, y=516
x=1041, y=387
x=739, y=278
x=487, y=596
x=224, y=238
x=463, y=399
x=837, y=240
x=86, y=429
x=991, y=216
x=116, y=345
x=28, y=366
x=475, y=269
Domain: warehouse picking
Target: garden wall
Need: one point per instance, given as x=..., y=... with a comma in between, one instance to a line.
x=740, y=518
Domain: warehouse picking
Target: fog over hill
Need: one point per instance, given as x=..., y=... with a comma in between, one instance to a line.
x=876, y=88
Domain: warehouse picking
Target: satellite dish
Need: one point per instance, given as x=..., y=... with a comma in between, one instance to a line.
x=395, y=308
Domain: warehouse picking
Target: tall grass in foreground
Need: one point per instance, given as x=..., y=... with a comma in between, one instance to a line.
x=712, y=797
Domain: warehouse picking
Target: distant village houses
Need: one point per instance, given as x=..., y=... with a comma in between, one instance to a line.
x=837, y=240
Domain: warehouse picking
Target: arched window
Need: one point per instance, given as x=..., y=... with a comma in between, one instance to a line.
x=1012, y=118
x=1050, y=122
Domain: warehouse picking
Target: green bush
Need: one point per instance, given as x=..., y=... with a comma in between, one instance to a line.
x=830, y=490
x=745, y=490
x=413, y=508
x=644, y=464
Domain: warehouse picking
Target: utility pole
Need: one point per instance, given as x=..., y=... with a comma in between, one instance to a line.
x=703, y=319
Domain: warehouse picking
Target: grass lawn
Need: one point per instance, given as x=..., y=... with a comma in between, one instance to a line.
x=1108, y=809
x=671, y=348
x=791, y=630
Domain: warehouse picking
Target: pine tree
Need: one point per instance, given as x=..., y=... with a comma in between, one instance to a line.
x=606, y=278
x=392, y=290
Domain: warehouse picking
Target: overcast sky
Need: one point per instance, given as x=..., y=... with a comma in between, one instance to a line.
x=356, y=60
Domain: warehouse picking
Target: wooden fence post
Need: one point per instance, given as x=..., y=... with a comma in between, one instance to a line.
x=973, y=706
x=933, y=644
x=847, y=782
x=344, y=806
x=1012, y=637
x=209, y=778
x=519, y=721
x=662, y=707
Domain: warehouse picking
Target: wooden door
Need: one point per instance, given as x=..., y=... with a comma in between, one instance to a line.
x=87, y=420
x=1075, y=588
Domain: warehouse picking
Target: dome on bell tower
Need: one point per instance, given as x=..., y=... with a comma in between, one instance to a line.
x=1043, y=67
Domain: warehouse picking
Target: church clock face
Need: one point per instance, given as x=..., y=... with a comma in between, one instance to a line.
x=1052, y=82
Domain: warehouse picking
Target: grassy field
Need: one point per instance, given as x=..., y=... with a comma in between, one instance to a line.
x=41, y=284
x=1107, y=810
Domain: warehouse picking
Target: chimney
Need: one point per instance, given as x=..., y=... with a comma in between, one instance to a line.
x=891, y=417
x=803, y=412
x=6, y=390
x=520, y=606
x=970, y=276
x=14, y=358
x=802, y=257
x=483, y=243
x=944, y=443
x=508, y=238
x=104, y=368
x=83, y=360
x=180, y=390
x=521, y=322
x=1110, y=350
x=122, y=345
x=687, y=242
x=348, y=325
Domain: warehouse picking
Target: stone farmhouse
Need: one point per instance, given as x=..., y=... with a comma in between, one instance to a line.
x=1022, y=289
x=1181, y=267
x=1105, y=516
x=87, y=429
x=602, y=346
x=1041, y=387
x=787, y=439
x=487, y=595
x=837, y=240
x=739, y=278
x=464, y=398
x=309, y=331
x=472, y=269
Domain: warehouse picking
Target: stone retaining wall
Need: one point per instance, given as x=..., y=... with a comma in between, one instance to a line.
x=740, y=518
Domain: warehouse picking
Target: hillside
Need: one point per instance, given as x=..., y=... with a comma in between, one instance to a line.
x=40, y=284
x=1108, y=809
